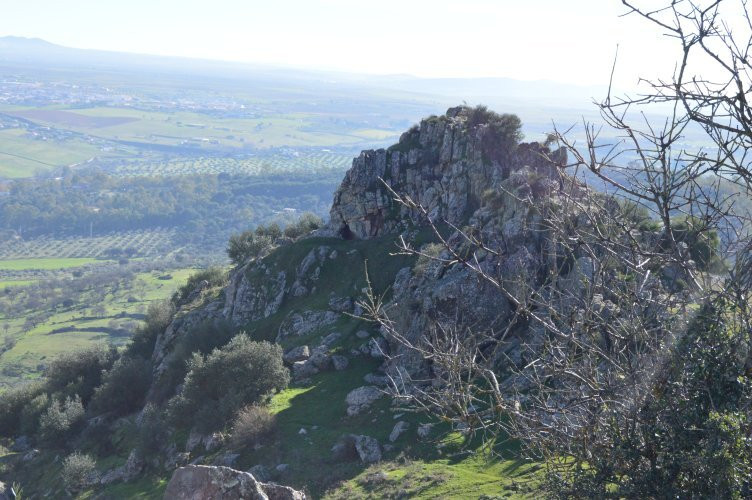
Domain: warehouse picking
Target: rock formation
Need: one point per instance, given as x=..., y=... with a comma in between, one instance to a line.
x=201, y=482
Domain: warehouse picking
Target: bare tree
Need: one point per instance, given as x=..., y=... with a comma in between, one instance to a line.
x=625, y=364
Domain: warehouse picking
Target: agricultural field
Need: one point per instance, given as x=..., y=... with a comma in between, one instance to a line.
x=106, y=312
x=198, y=131
x=146, y=242
x=251, y=166
x=23, y=154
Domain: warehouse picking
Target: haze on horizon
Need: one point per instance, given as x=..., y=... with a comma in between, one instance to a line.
x=569, y=42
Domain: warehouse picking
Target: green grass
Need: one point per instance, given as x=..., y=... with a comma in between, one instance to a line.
x=186, y=128
x=9, y=283
x=473, y=477
x=436, y=468
x=23, y=156
x=37, y=346
x=43, y=264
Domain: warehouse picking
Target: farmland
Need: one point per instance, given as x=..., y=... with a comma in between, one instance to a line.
x=40, y=138
x=106, y=310
x=76, y=248
x=290, y=163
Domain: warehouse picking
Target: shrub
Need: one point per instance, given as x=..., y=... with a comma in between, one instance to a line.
x=158, y=317
x=271, y=230
x=248, y=245
x=202, y=338
x=215, y=277
x=503, y=133
x=124, y=387
x=79, y=470
x=693, y=431
x=702, y=242
x=152, y=431
x=79, y=373
x=253, y=424
x=12, y=404
x=32, y=412
x=242, y=372
x=305, y=224
x=61, y=420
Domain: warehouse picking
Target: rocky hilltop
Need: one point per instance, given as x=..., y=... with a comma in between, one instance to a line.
x=467, y=168
x=445, y=164
x=461, y=167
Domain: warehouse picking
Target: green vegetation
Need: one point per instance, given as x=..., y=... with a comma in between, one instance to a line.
x=59, y=263
x=54, y=317
x=219, y=385
x=200, y=210
x=78, y=469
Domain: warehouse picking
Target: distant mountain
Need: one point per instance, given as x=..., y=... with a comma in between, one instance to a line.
x=40, y=54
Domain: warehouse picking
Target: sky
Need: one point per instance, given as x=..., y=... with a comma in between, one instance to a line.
x=569, y=41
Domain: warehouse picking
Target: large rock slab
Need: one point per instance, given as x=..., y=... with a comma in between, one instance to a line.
x=201, y=482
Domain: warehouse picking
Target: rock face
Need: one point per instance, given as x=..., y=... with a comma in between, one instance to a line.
x=200, y=482
x=442, y=164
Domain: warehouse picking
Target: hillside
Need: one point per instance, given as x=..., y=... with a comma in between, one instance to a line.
x=304, y=397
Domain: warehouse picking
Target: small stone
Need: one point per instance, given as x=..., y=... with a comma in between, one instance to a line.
x=340, y=362
x=362, y=334
x=300, y=353
x=282, y=468
x=424, y=430
x=368, y=449
x=362, y=397
x=259, y=472
x=398, y=430
x=303, y=369
x=331, y=339
x=302, y=431
x=321, y=361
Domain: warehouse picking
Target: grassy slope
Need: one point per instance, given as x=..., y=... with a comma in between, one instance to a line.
x=441, y=466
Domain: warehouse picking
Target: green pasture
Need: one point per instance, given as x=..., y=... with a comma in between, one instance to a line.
x=91, y=320
x=44, y=264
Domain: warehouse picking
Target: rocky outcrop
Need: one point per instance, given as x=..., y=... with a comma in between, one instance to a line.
x=200, y=482
x=361, y=398
x=131, y=469
x=444, y=164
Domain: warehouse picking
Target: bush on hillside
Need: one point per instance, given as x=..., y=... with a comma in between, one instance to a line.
x=305, y=224
x=124, y=387
x=213, y=277
x=272, y=230
x=253, y=424
x=158, y=317
x=702, y=243
x=248, y=245
x=12, y=404
x=79, y=470
x=61, y=420
x=201, y=338
x=32, y=413
x=218, y=385
x=693, y=432
x=152, y=431
x=503, y=132
x=77, y=374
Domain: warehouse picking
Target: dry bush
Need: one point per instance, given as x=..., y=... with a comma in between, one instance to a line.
x=253, y=424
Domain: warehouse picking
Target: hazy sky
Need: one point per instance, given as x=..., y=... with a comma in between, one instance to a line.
x=561, y=40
